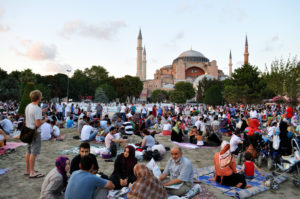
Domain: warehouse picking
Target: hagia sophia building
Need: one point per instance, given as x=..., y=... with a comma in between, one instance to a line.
x=190, y=66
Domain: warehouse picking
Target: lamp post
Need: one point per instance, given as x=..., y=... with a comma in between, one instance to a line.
x=68, y=70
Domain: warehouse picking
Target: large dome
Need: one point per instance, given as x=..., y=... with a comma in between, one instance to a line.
x=192, y=55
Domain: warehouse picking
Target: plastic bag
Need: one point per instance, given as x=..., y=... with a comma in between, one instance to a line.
x=151, y=165
x=276, y=142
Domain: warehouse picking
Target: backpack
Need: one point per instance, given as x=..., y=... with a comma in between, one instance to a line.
x=156, y=155
x=147, y=155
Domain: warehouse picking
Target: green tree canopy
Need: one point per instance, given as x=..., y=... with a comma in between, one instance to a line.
x=109, y=91
x=204, y=85
x=159, y=95
x=25, y=100
x=187, y=88
x=128, y=86
x=177, y=96
x=244, y=86
x=100, y=96
x=213, y=96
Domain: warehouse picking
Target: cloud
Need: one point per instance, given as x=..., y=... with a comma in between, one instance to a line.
x=37, y=50
x=273, y=44
x=53, y=67
x=102, y=31
x=172, y=42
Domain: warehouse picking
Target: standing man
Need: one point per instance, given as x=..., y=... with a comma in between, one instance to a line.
x=99, y=110
x=33, y=119
x=59, y=111
x=179, y=170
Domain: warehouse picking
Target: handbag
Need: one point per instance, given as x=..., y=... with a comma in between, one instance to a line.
x=27, y=134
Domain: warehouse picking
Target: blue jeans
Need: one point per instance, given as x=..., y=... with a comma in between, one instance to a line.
x=92, y=136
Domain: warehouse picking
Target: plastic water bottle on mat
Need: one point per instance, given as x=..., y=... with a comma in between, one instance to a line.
x=193, y=191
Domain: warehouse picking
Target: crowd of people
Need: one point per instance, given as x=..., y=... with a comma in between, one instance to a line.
x=247, y=126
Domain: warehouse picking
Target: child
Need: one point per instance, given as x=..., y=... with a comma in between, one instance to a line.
x=249, y=167
x=192, y=135
x=70, y=122
x=199, y=138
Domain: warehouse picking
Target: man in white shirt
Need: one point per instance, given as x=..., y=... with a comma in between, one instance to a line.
x=123, y=112
x=235, y=143
x=59, y=110
x=253, y=114
x=88, y=133
x=46, y=130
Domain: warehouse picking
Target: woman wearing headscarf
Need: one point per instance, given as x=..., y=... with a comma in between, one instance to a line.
x=177, y=134
x=147, y=185
x=56, y=180
x=285, y=146
x=123, y=169
x=225, y=168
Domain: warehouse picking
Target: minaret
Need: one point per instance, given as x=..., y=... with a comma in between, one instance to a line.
x=246, y=54
x=144, y=66
x=230, y=64
x=139, y=55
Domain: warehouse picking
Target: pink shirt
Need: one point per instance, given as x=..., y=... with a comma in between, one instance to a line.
x=108, y=139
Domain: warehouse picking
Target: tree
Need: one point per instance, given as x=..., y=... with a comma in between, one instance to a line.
x=177, y=96
x=100, y=96
x=244, y=86
x=109, y=91
x=27, y=76
x=159, y=95
x=128, y=87
x=213, y=96
x=45, y=91
x=25, y=100
x=10, y=89
x=186, y=88
x=205, y=84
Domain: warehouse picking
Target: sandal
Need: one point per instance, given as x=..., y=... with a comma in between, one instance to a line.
x=38, y=175
x=27, y=174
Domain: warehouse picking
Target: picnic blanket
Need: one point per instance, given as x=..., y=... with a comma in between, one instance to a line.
x=204, y=174
x=192, y=146
x=3, y=171
x=10, y=145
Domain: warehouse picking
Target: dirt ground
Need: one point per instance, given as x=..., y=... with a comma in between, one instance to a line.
x=15, y=185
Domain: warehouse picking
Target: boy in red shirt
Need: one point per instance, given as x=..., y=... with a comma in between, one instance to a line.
x=249, y=167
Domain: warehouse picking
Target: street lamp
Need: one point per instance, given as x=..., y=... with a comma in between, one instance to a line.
x=68, y=70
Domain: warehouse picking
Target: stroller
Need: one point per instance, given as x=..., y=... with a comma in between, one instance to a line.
x=287, y=165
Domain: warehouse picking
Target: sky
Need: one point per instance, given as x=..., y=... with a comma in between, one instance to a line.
x=53, y=36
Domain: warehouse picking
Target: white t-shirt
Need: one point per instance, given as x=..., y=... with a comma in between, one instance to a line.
x=253, y=114
x=123, y=109
x=68, y=108
x=46, y=130
x=32, y=113
x=271, y=131
x=56, y=131
x=198, y=124
x=108, y=140
x=167, y=127
x=86, y=132
x=234, y=142
x=59, y=108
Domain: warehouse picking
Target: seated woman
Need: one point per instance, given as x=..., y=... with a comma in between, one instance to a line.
x=225, y=168
x=148, y=141
x=123, y=170
x=192, y=135
x=56, y=180
x=146, y=186
x=167, y=128
x=177, y=134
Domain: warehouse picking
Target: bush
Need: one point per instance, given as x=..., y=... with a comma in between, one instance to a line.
x=213, y=96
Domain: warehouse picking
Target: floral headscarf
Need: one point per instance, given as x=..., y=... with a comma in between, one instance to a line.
x=61, y=167
x=146, y=186
x=225, y=156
